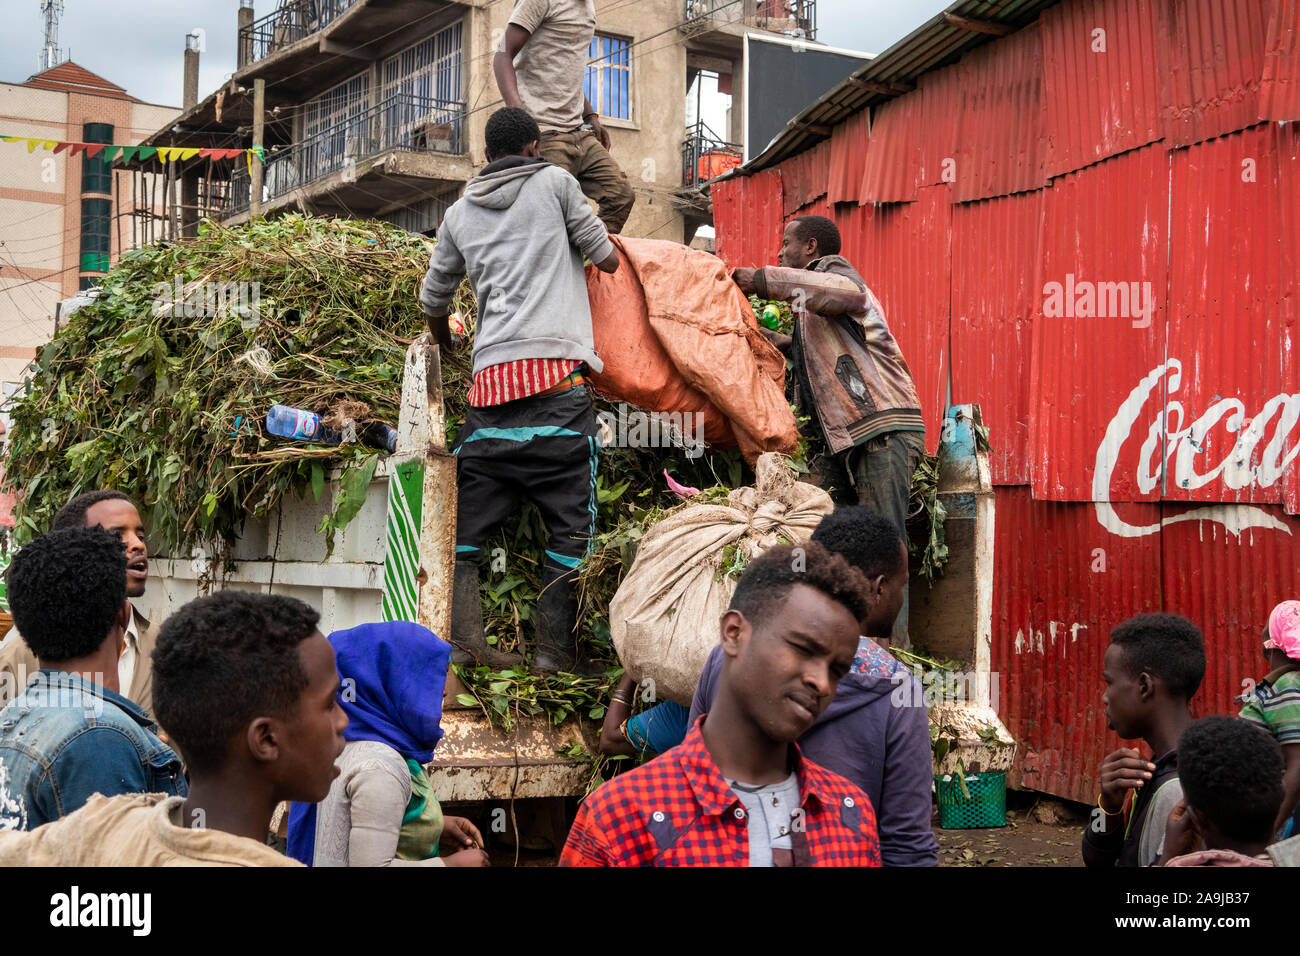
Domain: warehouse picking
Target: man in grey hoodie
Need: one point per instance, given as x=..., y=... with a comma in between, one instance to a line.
x=519, y=233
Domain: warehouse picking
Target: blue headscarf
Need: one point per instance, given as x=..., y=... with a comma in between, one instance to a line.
x=392, y=676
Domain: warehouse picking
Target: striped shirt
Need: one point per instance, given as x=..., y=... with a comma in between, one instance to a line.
x=510, y=381
x=1275, y=706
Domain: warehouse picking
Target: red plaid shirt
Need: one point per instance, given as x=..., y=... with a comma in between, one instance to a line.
x=677, y=810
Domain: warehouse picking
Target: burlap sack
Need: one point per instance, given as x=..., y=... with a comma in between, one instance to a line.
x=664, y=617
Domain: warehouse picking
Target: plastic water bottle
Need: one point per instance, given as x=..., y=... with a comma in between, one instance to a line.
x=771, y=316
x=300, y=425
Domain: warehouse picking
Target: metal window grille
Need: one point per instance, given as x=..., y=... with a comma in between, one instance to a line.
x=608, y=83
x=430, y=69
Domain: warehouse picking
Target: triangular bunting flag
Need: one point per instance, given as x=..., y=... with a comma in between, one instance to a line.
x=75, y=148
x=32, y=144
x=111, y=153
x=147, y=152
x=61, y=147
x=129, y=154
x=94, y=149
x=165, y=153
x=188, y=153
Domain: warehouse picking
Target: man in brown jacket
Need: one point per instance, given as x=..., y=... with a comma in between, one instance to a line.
x=851, y=377
x=114, y=512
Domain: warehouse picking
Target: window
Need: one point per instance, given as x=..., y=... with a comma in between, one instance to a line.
x=96, y=176
x=608, y=85
x=95, y=217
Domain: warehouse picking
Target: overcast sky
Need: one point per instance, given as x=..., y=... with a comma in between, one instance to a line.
x=139, y=44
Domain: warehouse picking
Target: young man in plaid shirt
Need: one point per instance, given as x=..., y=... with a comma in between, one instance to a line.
x=737, y=792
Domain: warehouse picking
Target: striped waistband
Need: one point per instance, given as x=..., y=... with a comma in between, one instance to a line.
x=572, y=380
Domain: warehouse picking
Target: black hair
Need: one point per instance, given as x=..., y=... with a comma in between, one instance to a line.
x=508, y=131
x=1167, y=646
x=66, y=589
x=73, y=514
x=1231, y=773
x=823, y=230
x=769, y=578
x=867, y=539
x=224, y=660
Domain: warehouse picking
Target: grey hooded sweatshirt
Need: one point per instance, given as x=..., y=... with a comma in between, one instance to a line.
x=519, y=233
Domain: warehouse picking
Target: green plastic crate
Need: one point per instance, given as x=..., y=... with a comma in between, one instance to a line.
x=986, y=806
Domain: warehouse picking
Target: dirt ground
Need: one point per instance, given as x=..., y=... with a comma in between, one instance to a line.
x=1028, y=839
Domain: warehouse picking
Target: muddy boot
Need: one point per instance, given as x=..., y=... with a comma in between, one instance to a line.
x=467, y=641
x=557, y=623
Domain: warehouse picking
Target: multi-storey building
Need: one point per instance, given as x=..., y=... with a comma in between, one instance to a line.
x=63, y=217
x=376, y=108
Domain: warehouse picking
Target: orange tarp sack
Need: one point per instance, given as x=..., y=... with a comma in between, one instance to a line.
x=677, y=336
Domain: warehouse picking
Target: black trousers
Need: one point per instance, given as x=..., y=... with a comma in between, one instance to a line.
x=541, y=449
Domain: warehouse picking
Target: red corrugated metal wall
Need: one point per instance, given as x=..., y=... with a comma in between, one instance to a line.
x=1163, y=354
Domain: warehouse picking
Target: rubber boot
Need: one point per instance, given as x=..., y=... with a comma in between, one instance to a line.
x=557, y=622
x=467, y=640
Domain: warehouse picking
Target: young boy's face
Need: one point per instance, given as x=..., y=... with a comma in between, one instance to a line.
x=1121, y=700
x=786, y=669
x=313, y=735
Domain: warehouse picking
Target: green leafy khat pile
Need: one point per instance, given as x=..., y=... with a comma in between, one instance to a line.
x=134, y=394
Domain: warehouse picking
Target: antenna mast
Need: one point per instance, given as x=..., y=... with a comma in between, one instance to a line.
x=50, y=53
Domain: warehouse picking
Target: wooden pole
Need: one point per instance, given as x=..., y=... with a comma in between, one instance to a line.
x=259, y=129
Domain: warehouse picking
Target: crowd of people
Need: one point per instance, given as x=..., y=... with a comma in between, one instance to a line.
x=795, y=751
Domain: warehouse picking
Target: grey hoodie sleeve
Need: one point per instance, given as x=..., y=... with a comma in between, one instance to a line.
x=585, y=230
x=446, y=269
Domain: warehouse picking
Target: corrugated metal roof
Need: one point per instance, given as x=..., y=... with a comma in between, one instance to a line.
x=936, y=42
x=902, y=252
x=1279, y=92
x=1101, y=80
x=749, y=219
x=848, y=146
x=1231, y=303
x=942, y=100
x=1212, y=59
x=1106, y=223
x=995, y=293
x=1002, y=136
x=1060, y=583
x=804, y=178
x=1202, y=562
x=891, y=171
x=1288, y=139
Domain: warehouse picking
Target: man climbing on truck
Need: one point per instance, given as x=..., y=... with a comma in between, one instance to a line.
x=520, y=233
x=851, y=376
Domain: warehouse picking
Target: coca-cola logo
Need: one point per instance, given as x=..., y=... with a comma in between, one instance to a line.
x=1170, y=443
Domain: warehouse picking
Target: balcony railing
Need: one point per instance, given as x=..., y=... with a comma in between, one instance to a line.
x=403, y=121
x=286, y=26
x=705, y=156
x=792, y=17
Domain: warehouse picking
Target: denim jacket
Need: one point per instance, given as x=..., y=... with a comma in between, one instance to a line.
x=65, y=738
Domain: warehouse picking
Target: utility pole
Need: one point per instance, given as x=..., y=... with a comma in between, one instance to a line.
x=259, y=127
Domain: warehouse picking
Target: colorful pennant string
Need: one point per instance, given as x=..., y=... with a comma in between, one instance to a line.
x=128, y=154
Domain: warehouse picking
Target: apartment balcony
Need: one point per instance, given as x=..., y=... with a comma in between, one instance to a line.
x=394, y=154
x=302, y=48
x=706, y=156
x=723, y=23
